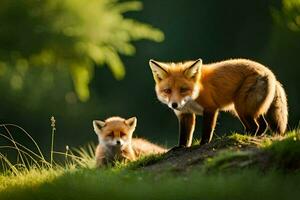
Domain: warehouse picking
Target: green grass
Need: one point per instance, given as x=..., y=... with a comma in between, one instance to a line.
x=272, y=152
x=240, y=138
x=229, y=159
x=285, y=154
x=144, y=161
x=230, y=174
x=110, y=184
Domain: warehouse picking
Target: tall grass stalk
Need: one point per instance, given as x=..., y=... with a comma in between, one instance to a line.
x=52, y=140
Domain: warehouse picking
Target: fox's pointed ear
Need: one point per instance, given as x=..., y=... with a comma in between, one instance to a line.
x=98, y=125
x=131, y=122
x=193, y=70
x=158, y=69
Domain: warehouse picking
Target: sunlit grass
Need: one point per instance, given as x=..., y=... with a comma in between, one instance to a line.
x=144, y=161
x=110, y=184
x=75, y=177
x=241, y=138
x=28, y=160
x=277, y=152
x=285, y=153
x=29, y=178
x=229, y=159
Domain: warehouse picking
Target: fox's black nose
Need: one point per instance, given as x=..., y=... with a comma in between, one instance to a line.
x=118, y=142
x=174, y=105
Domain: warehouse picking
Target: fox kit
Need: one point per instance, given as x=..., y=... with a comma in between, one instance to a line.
x=246, y=88
x=116, y=142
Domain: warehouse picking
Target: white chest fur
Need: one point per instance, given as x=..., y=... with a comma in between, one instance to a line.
x=192, y=106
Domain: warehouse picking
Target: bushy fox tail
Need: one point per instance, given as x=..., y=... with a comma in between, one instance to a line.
x=277, y=115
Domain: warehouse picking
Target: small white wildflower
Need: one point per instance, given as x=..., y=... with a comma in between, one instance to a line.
x=53, y=122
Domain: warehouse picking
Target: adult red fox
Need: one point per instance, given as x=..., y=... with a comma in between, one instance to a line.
x=116, y=142
x=246, y=88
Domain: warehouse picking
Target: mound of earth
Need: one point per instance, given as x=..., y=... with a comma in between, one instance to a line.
x=230, y=152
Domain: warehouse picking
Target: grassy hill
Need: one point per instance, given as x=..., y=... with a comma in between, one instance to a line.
x=230, y=167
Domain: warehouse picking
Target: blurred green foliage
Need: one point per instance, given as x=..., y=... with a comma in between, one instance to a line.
x=72, y=34
x=214, y=30
x=289, y=15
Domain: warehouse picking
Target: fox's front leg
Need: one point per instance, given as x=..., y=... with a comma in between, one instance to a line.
x=186, y=128
x=209, y=124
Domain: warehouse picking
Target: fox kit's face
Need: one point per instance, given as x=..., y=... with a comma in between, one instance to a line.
x=176, y=83
x=115, y=132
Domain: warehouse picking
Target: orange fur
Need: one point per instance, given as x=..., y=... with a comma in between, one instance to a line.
x=230, y=82
x=143, y=147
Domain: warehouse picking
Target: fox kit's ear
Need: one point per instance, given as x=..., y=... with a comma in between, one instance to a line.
x=98, y=125
x=131, y=122
x=158, y=69
x=193, y=70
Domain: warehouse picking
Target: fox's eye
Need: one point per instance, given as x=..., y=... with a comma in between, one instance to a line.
x=167, y=91
x=122, y=134
x=111, y=134
x=184, y=89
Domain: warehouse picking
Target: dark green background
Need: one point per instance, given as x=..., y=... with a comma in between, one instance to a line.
x=213, y=30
